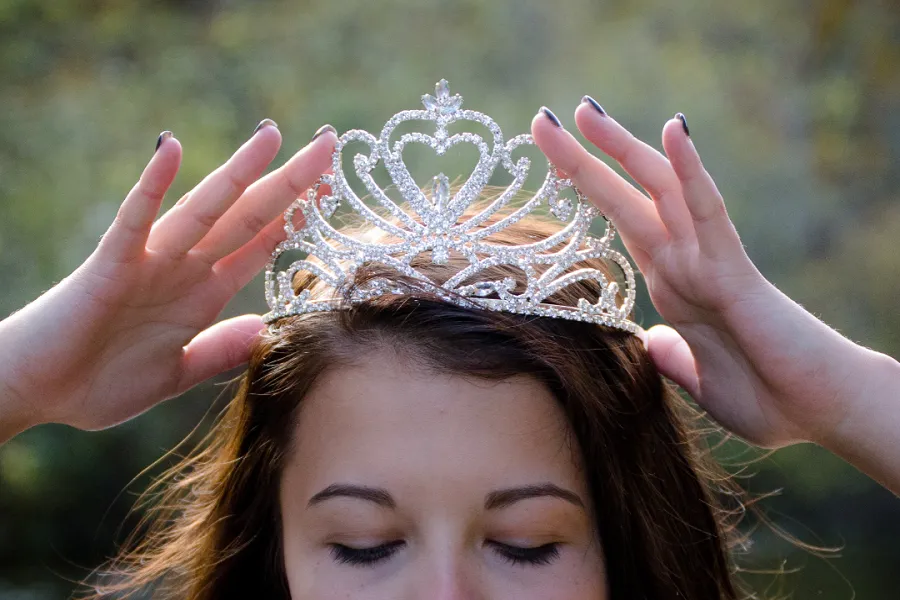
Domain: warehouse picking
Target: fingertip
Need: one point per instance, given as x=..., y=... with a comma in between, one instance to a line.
x=321, y=147
x=265, y=123
x=326, y=131
x=587, y=114
x=162, y=138
x=684, y=124
x=673, y=357
x=673, y=132
x=548, y=137
x=679, y=146
x=268, y=131
x=541, y=127
x=166, y=143
x=223, y=346
x=663, y=333
x=164, y=164
x=599, y=129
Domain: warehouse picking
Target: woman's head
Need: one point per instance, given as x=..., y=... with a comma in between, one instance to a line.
x=407, y=447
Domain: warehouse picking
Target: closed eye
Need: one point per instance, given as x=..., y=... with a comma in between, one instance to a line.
x=365, y=557
x=518, y=555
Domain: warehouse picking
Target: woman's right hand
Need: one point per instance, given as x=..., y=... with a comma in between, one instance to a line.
x=759, y=363
x=133, y=325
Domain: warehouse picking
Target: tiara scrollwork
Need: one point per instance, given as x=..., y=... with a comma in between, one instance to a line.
x=431, y=220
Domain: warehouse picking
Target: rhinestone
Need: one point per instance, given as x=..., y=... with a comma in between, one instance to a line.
x=433, y=224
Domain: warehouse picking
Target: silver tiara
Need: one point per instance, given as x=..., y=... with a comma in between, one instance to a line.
x=431, y=223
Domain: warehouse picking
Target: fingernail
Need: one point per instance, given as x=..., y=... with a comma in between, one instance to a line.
x=681, y=118
x=162, y=137
x=595, y=104
x=324, y=129
x=265, y=123
x=549, y=114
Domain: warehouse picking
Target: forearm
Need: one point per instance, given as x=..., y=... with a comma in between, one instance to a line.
x=869, y=435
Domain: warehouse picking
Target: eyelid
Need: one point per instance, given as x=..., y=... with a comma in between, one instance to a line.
x=365, y=556
x=539, y=555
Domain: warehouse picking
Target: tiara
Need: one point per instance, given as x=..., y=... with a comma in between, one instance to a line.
x=434, y=222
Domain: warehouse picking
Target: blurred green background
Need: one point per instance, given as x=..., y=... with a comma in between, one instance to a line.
x=795, y=106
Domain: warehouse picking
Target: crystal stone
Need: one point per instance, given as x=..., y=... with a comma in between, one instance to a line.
x=434, y=222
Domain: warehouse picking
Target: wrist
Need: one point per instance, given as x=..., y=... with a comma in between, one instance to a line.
x=871, y=416
x=17, y=411
x=16, y=414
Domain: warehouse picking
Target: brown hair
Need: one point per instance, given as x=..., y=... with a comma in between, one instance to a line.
x=215, y=532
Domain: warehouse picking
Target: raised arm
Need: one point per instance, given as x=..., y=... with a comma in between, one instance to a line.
x=133, y=325
x=759, y=363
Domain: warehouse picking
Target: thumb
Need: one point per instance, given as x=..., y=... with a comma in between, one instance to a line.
x=672, y=356
x=223, y=346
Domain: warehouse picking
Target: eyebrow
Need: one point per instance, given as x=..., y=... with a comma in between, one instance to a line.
x=506, y=497
x=495, y=500
x=378, y=496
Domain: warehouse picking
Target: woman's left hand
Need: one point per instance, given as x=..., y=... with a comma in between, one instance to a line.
x=762, y=366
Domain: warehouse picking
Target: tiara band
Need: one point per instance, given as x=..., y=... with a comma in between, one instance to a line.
x=432, y=223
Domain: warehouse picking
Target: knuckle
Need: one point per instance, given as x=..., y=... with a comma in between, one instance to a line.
x=122, y=223
x=270, y=239
x=152, y=193
x=296, y=187
x=206, y=220
x=712, y=211
x=238, y=183
x=253, y=223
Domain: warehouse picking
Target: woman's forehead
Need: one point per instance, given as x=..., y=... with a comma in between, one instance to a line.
x=387, y=420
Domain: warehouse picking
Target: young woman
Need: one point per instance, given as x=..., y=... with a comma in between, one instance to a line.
x=410, y=448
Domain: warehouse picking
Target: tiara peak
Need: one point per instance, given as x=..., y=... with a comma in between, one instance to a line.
x=431, y=220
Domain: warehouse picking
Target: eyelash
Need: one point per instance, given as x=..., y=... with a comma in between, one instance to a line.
x=364, y=557
x=536, y=556
x=514, y=555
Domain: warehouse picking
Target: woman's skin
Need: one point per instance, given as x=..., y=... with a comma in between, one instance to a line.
x=133, y=325
x=762, y=366
x=409, y=484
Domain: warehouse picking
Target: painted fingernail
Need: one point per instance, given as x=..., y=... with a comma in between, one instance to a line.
x=324, y=129
x=162, y=137
x=549, y=114
x=595, y=104
x=681, y=118
x=265, y=123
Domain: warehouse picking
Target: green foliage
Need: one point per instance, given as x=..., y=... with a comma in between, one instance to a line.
x=794, y=105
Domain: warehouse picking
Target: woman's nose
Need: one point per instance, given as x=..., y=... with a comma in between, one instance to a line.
x=450, y=576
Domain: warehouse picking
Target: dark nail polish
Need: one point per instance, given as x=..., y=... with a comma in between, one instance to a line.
x=681, y=118
x=265, y=123
x=549, y=114
x=324, y=129
x=595, y=104
x=162, y=137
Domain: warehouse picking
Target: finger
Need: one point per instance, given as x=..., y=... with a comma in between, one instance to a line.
x=270, y=196
x=644, y=163
x=126, y=238
x=629, y=210
x=716, y=235
x=245, y=263
x=223, y=346
x=179, y=230
x=673, y=358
